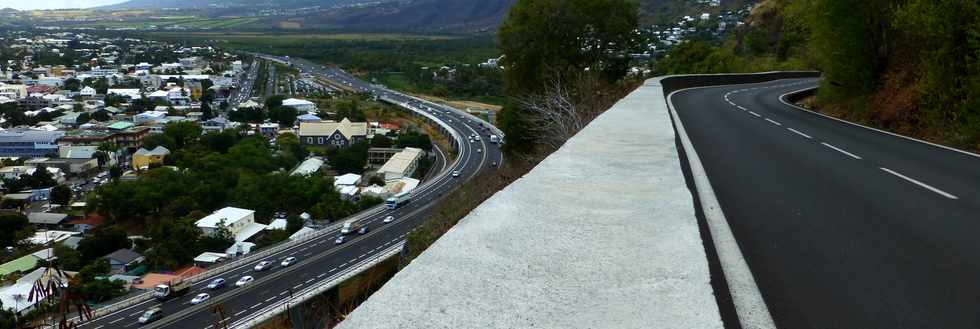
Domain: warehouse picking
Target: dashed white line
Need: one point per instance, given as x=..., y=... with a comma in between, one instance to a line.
x=842, y=151
x=924, y=185
x=256, y=305
x=799, y=133
x=270, y=299
x=297, y=286
x=310, y=281
x=773, y=122
x=755, y=114
x=740, y=107
x=116, y=320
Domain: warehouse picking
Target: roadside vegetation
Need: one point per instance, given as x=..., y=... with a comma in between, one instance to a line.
x=909, y=66
x=439, y=65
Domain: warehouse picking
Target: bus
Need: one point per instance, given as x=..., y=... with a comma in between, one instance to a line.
x=398, y=199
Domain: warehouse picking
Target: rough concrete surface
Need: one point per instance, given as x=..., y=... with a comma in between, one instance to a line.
x=601, y=234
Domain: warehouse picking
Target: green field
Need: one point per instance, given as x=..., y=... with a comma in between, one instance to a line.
x=183, y=21
x=269, y=38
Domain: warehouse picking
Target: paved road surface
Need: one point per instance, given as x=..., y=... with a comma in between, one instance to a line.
x=842, y=226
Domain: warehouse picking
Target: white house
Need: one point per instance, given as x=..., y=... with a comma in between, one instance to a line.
x=87, y=92
x=149, y=116
x=240, y=222
x=402, y=164
x=300, y=105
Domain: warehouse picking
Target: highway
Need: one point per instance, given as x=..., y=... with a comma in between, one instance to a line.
x=841, y=225
x=320, y=260
x=247, y=81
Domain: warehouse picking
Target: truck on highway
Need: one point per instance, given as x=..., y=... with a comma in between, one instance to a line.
x=398, y=200
x=494, y=139
x=349, y=227
x=174, y=288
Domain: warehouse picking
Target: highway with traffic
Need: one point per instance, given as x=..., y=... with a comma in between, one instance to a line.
x=323, y=259
x=843, y=226
x=246, y=83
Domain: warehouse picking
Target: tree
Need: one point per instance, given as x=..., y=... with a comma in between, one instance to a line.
x=72, y=84
x=102, y=242
x=538, y=55
x=381, y=141
x=151, y=141
x=274, y=101
x=183, y=133
x=101, y=116
x=285, y=116
x=10, y=225
x=61, y=194
x=536, y=52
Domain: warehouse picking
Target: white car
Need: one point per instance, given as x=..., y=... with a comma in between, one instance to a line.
x=200, y=298
x=339, y=240
x=216, y=283
x=288, y=261
x=244, y=280
x=389, y=219
x=455, y=173
x=479, y=150
x=262, y=266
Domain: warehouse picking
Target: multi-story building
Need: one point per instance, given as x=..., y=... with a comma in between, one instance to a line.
x=29, y=143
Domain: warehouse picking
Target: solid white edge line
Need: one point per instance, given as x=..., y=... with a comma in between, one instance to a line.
x=841, y=151
x=750, y=307
x=799, y=133
x=782, y=99
x=924, y=185
x=773, y=122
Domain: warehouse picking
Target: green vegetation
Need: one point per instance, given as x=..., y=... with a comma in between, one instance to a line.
x=215, y=170
x=909, y=66
x=410, y=63
x=579, y=62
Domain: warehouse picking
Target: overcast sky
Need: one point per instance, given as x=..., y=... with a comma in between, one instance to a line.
x=55, y=4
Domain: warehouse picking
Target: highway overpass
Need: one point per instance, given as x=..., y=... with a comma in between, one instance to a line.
x=321, y=264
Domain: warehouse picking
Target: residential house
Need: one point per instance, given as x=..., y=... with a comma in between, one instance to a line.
x=87, y=92
x=144, y=158
x=402, y=164
x=333, y=134
x=239, y=222
x=300, y=105
x=47, y=220
x=123, y=260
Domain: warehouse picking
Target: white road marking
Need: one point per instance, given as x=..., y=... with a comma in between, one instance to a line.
x=270, y=299
x=256, y=305
x=773, y=122
x=799, y=133
x=116, y=320
x=297, y=286
x=740, y=107
x=842, y=151
x=755, y=114
x=321, y=275
x=310, y=281
x=924, y=185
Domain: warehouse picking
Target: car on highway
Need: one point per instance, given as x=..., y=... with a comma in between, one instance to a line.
x=263, y=265
x=244, y=280
x=288, y=261
x=216, y=284
x=339, y=240
x=479, y=150
x=389, y=219
x=363, y=230
x=200, y=298
x=150, y=315
x=455, y=173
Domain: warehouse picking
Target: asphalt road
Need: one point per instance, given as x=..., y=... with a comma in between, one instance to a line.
x=247, y=81
x=842, y=226
x=319, y=260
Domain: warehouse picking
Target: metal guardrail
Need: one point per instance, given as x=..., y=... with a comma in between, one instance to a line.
x=270, y=311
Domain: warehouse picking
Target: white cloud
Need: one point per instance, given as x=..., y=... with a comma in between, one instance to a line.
x=55, y=4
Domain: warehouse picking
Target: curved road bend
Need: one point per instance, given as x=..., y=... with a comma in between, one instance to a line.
x=842, y=226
